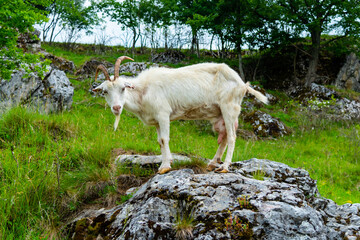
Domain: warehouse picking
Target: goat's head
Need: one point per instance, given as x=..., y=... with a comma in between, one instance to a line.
x=113, y=88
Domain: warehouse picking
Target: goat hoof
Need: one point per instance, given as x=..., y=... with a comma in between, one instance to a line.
x=210, y=167
x=221, y=170
x=164, y=170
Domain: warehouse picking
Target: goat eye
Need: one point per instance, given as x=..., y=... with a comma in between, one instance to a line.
x=105, y=92
x=123, y=89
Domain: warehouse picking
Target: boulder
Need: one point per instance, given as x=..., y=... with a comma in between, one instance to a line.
x=315, y=91
x=146, y=161
x=30, y=41
x=349, y=75
x=51, y=94
x=264, y=125
x=169, y=56
x=88, y=68
x=60, y=63
x=257, y=199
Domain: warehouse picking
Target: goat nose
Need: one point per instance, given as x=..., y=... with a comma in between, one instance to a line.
x=116, y=108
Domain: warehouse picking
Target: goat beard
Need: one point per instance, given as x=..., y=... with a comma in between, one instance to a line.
x=117, y=120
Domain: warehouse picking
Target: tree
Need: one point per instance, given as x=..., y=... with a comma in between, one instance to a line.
x=55, y=13
x=126, y=13
x=150, y=14
x=316, y=17
x=17, y=17
x=69, y=15
x=196, y=14
x=229, y=20
x=77, y=18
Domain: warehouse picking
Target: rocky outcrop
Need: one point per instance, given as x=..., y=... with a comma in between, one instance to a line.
x=134, y=68
x=318, y=98
x=153, y=161
x=51, y=94
x=264, y=125
x=349, y=75
x=257, y=199
x=29, y=41
x=88, y=68
x=60, y=63
x=169, y=56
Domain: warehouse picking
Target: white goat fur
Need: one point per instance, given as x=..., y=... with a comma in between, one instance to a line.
x=207, y=91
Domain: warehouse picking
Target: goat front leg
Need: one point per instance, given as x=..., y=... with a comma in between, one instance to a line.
x=163, y=131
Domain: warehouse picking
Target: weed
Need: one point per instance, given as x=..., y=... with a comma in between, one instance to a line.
x=135, y=169
x=184, y=220
x=259, y=174
x=238, y=228
x=198, y=165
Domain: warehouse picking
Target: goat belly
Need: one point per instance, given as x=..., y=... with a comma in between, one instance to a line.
x=203, y=112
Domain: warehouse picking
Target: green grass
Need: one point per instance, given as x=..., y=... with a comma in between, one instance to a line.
x=53, y=165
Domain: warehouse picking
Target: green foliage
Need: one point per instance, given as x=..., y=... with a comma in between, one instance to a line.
x=18, y=17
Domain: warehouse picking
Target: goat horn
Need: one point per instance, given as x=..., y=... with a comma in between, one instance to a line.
x=117, y=65
x=104, y=70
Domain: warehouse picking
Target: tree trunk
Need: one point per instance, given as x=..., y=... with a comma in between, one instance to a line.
x=193, y=42
x=197, y=47
x=241, y=69
x=166, y=38
x=314, y=59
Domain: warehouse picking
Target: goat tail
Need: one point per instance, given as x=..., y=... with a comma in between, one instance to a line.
x=261, y=97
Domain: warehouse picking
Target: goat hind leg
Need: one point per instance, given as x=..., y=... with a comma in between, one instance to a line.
x=231, y=124
x=217, y=158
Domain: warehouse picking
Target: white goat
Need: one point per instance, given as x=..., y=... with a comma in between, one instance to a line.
x=157, y=96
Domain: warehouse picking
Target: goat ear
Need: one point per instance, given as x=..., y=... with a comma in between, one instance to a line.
x=129, y=85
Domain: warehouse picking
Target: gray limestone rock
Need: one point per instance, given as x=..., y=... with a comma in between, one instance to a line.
x=153, y=161
x=264, y=125
x=257, y=199
x=51, y=94
x=349, y=75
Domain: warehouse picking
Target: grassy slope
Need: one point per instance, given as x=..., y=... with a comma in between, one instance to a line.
x=50, y=165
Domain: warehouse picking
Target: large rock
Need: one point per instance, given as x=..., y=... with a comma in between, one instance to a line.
x=349, y=75
x=264, y=125
x=51, y=94
x=60, y=63
x=169, y=56
x=29, y=41
x=319, y=98
x=88, y=68
x=258, y=199
x=134, y=68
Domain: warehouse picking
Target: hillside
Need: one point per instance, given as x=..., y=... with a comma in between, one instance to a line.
x=54, y=165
